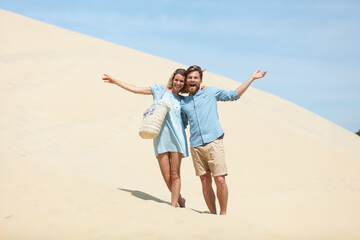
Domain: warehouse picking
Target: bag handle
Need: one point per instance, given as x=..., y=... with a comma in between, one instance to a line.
x=162, y=93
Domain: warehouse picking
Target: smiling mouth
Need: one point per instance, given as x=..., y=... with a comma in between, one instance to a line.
x=192, y=85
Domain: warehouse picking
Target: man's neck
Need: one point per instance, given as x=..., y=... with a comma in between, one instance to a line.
x=195, y=92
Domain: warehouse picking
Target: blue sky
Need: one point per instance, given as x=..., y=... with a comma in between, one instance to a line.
x=311, y=49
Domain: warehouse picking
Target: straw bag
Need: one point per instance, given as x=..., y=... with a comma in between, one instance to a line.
x=153, y=118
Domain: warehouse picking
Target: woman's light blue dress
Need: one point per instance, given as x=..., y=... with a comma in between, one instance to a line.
x=172, y=137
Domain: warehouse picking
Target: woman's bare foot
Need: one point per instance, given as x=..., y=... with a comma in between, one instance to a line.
x=181, y=202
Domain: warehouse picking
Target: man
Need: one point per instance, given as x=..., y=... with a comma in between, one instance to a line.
x=199, y=108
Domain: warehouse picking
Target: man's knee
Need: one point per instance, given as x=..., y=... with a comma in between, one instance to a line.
x=220, y=181
x=206, y=180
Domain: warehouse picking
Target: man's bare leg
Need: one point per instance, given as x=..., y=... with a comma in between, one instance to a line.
x=208, y=192
x=222, y=193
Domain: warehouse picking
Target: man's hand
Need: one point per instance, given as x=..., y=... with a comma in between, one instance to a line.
x=203, y=87
x=258, y=74
x=243, y=87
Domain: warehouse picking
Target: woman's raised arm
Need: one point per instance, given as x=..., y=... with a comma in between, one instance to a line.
x=127, y=86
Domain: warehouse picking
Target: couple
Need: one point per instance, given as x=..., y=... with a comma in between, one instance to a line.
x=199, y=109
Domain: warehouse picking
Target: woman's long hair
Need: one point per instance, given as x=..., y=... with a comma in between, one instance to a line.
x=182, y=72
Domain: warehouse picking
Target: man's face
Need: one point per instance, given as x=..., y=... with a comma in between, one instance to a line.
x=193, y=82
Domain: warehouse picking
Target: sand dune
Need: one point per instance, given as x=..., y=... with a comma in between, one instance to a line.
x=72, y=165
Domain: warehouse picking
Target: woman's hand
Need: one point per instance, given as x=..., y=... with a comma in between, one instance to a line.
x=108, y=79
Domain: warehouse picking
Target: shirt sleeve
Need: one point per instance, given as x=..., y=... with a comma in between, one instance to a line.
x=226, y=95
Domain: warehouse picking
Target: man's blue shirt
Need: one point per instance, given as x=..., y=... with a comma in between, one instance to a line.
x=200, y=110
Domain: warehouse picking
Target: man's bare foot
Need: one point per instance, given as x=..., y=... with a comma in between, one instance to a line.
x=181, y=202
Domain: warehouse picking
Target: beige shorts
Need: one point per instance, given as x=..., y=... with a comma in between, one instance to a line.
x=209, y=158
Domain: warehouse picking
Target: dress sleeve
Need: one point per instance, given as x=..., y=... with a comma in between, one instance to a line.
x=155, y=90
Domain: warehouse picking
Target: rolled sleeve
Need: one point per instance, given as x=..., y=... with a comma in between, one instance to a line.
x=226, y=95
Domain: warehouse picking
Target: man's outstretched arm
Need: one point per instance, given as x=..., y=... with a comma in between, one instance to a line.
x=243, y=87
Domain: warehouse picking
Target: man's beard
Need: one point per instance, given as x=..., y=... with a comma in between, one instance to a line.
x=193, y=90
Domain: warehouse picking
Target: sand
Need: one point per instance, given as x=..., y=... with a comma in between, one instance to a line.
x=72, y=165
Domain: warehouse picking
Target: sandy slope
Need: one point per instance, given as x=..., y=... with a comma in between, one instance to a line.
x=73, y=167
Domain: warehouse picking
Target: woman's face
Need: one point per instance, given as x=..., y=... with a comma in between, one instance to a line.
x=178, y=83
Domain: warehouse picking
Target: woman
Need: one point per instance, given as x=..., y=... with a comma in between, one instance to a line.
x=170, y=145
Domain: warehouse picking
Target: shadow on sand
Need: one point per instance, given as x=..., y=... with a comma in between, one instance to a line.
x=147, y=197
x=144, y=196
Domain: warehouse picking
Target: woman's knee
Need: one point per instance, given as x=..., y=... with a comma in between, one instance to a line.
x=174, y=174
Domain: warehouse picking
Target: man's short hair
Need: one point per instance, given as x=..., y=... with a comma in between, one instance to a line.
x=195, y=68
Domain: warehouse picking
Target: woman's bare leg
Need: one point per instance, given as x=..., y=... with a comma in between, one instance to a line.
x=166, y=171
x=175, y=164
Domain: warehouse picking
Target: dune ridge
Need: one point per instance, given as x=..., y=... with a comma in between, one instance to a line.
x=72, y=165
